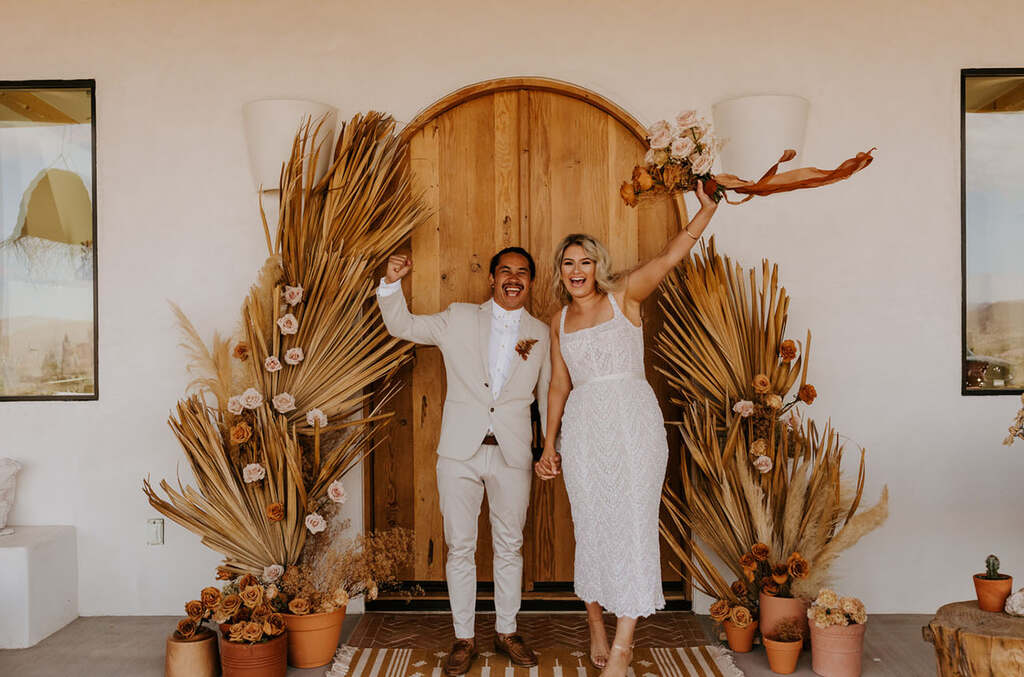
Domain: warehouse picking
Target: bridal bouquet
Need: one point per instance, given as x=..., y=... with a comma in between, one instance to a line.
x=681, y=152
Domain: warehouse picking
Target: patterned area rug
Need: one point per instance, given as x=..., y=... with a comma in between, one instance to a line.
x=700, y=661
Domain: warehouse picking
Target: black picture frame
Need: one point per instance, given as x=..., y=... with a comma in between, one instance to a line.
x=90, y=85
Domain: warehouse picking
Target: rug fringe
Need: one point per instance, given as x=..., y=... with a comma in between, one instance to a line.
x=342, y=661
x=724, y=660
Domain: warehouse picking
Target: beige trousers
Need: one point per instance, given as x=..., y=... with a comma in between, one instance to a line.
x=461, y=485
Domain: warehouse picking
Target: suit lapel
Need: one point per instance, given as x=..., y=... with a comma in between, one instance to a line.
x=484, y=336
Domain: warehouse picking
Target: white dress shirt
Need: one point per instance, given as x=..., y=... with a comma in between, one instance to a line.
x=504, y=332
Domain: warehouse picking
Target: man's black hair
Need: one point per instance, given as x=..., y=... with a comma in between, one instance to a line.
x=514, y=250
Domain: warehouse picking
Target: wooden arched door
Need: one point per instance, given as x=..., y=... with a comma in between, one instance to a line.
x=524, y=162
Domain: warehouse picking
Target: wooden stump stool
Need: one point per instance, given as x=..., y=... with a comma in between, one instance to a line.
x=970, y=642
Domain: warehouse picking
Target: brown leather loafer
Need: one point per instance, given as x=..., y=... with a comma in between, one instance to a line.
x=515, y=648
x=460, y=658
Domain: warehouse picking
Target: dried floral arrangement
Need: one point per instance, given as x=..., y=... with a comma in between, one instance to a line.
x=737, y=613
x=761, y=484
x=684, y=150
x=762, y=575
x=280, y=413
x=246, y=609
x=787, y=630
x=831, y=609
x=332, y=570
x=1016, y=429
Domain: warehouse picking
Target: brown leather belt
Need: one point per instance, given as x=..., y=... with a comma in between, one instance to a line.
x=490, y=439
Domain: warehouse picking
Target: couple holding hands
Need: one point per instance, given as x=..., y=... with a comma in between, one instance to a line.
x=587, y=373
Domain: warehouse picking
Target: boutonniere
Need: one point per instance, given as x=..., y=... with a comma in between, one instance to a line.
x=524, y=347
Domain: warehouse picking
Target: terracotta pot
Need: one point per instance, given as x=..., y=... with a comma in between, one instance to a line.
x=196, y=657
x=836, y=651
x=266, y=659
x=741, y=640
x=782, y=656
x=313, y=639
x=776, y=609
x=992, y=592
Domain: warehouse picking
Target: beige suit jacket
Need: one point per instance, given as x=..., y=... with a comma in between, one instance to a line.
x=462, y=332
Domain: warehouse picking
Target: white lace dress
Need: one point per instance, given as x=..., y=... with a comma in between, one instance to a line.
x=614, y=454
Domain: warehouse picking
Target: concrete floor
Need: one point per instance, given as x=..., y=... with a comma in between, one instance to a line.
x=133, y=646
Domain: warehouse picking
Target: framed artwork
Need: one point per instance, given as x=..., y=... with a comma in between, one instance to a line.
x=48, y=313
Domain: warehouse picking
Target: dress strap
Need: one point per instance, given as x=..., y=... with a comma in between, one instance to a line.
x=561, y=322
x=616, y=311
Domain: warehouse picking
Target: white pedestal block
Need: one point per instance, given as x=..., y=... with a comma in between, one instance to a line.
x=38, y=584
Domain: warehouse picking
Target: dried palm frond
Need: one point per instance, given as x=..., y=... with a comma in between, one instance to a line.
x=719, y=334
x=331, y=236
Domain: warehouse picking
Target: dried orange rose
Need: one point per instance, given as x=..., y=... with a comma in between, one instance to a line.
x=252, y=632
x=719, y=610
x=210, y=597
x=740, y=616
x=761, y=384
x=223, y=574
x=247, y=580
x=240, y=433
x=194, y=609
x=275, y=512
x=739, y=588
x=671, y=176
x=274, y=625
x=748, y=561
x=627, y=193
x=261, y=612
x=760, y=551
x=759, y=448
x=799, y=568
x=230, y=605
x=807, y=393
x=642, y=179
x=236, y=632
x=187, y=628
x=780, y=573
x=252, y=596
x=769, y=586
x=242, y=351
x=787, y=351
x=299, y=606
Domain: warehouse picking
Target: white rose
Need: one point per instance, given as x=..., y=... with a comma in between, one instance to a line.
x=661, y=139
x=315, y=523
x=252, y=399
x=273, y=572
x=700, y=163
x=659, y=127
x=314, y=415
x=294, y=356
x=284, y=402
x=272, y=364
x=686, y=119
x=792, y=419
x=253, y=472
x=649, y=157
x=744, y=408
x=292, y=295
x=235, y=404
x=336, y=492
x=288, y=324
x=763, y=464
x=681, y=147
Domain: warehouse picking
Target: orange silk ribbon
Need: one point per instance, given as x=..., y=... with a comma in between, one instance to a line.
x=805, y=177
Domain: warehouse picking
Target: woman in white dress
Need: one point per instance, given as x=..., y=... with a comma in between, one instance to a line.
x=613, y=443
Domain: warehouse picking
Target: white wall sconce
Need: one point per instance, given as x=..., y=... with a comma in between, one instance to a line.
x=756, y=129
x=270, y=127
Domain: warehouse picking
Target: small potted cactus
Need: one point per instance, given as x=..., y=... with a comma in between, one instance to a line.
x=992, y=587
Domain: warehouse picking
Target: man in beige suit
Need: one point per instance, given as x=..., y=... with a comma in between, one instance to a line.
x=497, y=360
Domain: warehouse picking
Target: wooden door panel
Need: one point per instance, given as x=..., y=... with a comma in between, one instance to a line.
x=513, y=166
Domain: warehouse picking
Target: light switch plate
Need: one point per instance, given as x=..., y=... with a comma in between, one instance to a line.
x=155, y=531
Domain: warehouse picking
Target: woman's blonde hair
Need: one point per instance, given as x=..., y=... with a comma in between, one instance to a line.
x=605, y=280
